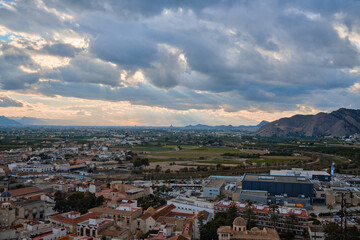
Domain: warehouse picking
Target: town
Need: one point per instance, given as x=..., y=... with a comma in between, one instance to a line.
x=174, y=183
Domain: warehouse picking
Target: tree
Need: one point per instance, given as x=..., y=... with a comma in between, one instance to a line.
x=201, y=223
x=145, y=162
x=291, y=221
x=351, y=197
x=330, y=207
x=333, y=231
x=77, y=201
x=274, y=217
x=232, y=213
x=249, y=214
x=209, y=230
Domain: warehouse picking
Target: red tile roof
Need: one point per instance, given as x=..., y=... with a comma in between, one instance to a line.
x=178, y=237
x=73, y=221
x=24, y=191
x=163, y=212
x=180, y=214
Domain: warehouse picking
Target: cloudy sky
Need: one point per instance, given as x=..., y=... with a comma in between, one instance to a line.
x=95, y=62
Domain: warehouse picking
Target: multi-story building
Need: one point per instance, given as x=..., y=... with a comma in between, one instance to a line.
x=299, y=172
x=192, y=205
x=70, y=220
x=55, y=233
x=255, y=196
x=23, y=203
x=25, y=193
x=124, y=216
x=213, y=188
x=64, y=186
x=119, y=191
x=262, y=216
x=92, y=226
x=238, y=231
x=335, y=195
x=166, y=216
x=289, y=186
x=200, y=220
x=131, y=192
x=33, y=167
x=316, y=232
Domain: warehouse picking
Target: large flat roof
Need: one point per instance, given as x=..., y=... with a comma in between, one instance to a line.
x=295, y=172
x=269, y=178
x=215, y=183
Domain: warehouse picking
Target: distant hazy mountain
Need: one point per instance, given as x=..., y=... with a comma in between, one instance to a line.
x=226, y=127
x=32, y=121
x=6, y=122
x=29, y=121
x=337, y=123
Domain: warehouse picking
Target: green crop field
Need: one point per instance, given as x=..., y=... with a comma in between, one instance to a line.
x=151, y=149
x=163, y=160
x=270, y=160
x=182, y=146
x=221, y=161
x=218, y=151
x=173, y=155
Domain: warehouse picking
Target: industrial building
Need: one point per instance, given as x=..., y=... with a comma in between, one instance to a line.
x=213, y=188
x=288, y=186
x=299, y=172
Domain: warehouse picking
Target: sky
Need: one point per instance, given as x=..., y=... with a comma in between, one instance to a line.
x=156, y=63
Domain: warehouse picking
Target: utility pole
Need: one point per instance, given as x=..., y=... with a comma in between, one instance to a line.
x=345, y=235
x=343, y=214
x=342, y=210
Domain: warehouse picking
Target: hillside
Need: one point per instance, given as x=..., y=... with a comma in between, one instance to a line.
x=228, y=127
x=337, y=123
x=6, y=122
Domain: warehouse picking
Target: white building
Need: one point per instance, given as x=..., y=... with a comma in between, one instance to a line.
x=33, y=167
x=299, y=172
x=213, y=188
x=191, y=205
x=316, y=232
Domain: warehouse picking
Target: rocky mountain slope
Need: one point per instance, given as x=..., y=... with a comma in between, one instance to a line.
x=337, y=123
x=6, y=122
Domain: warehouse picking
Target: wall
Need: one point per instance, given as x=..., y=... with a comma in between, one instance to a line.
x=279, y=188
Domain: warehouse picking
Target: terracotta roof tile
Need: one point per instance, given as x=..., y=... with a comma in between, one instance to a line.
x=73, y=221
x=24, y=191
x=163, y=212
x=178, y=237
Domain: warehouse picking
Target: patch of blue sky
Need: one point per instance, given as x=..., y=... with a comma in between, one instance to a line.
x=5, y=1
x=5, y=37
x=8, y=37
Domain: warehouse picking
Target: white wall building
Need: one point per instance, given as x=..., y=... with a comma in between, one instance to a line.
x=191, y=205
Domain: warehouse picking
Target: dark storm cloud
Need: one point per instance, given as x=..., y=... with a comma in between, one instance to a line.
x=84, y=69
x=193, y=54
x=12, y=77
x=60, y=49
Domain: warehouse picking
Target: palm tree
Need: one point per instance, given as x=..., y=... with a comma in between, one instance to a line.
x=291, y=221
x=249, y=214
x=330, y=207
x=351, y=197
x=273, y=218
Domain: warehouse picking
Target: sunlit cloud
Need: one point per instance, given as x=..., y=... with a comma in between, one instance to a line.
x=161, y=63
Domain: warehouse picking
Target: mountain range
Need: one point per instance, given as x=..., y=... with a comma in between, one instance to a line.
x=7, y=122
x=28, y=121
x=342, y=122
x=226, y=127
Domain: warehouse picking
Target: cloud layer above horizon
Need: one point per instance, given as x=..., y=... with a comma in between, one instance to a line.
x=240, y=60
